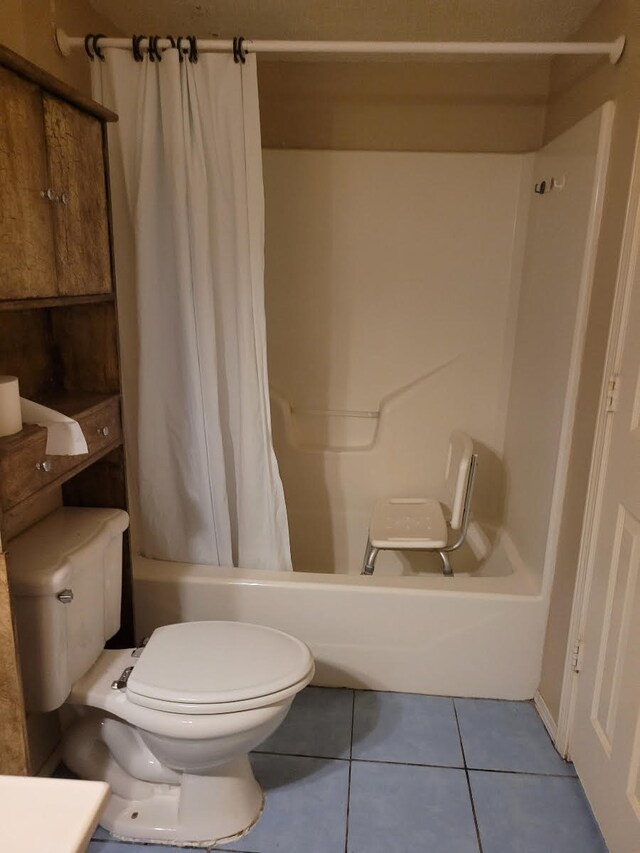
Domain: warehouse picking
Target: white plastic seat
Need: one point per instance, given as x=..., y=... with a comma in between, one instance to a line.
x=197, y=669
x=419, y=524
x=217, y=667
x=408, y=523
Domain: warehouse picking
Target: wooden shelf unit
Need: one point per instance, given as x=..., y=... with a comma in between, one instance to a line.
x=54, y=301
x=59, y=336
x=27, y=470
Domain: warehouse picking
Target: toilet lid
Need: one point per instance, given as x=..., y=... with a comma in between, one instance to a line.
x=207, y=663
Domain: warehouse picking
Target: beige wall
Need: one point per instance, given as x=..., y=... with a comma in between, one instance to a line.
x=551, y=308
x=27, y=27
x=404, y=106
x=380, y=106
x=577, y=87
x=372, y=259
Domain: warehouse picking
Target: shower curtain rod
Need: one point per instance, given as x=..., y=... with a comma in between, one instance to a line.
x=612, y=49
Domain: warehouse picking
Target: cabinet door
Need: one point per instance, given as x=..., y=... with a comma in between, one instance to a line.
x=77, y=175
x=27, y=258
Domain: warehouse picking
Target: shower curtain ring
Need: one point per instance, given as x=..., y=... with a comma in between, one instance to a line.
x=239, y=53
x=88, y=43
x=96, y=47
x=180, y=48
x=193, y=48
x=135, y=48
x=154, y=53
x=172, y=41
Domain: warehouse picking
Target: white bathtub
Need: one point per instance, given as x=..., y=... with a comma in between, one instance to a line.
x=463, y=636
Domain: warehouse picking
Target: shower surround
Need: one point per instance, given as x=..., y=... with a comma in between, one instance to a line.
x=406, y=295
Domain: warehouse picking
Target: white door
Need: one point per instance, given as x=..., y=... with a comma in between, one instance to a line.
x=605, y=736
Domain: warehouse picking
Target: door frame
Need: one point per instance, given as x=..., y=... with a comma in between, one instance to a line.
x=628, y=266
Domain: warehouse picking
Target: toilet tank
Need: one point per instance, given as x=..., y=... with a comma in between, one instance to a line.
x=65, y=576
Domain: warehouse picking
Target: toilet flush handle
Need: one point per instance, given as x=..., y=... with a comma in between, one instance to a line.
x=66, y=596
x=121, y=682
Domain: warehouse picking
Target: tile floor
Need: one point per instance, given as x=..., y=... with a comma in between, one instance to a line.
x=368, y=772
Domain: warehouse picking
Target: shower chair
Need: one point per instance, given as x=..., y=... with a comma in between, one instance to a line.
x=419, y=524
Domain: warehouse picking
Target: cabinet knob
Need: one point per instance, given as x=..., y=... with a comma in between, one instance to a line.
x=44, y=466
x=52, y=195
x=104, y=430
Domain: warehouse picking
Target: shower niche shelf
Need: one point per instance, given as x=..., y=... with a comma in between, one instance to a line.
x=320, y=430
x=333, y=430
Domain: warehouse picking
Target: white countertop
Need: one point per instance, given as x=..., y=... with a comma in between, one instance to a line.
x=56, y=815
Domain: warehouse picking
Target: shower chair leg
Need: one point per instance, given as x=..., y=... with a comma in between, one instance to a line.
x=369, y=562
x=447, y=571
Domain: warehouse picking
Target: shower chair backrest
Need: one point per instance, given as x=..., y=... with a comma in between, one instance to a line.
x=457, y=473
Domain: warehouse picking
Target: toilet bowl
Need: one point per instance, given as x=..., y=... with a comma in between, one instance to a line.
x=170, y=725
x=172, y=734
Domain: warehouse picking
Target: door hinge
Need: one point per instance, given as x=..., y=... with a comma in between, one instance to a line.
x=577, y=655
x=613, y=388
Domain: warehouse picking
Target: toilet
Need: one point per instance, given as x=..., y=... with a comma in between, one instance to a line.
x=168, y=725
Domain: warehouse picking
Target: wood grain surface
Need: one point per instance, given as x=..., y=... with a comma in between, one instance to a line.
x=86, y=339
x=21, y=66
x=27, y=256
x=76, y=173
x=14, y=754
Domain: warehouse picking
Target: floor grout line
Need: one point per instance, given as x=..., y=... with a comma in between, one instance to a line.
x=421, y=764
x=353, y=717
x=353, y=714
x=301, y=755
x=409, y=764
x=523, y=773
x=466, y=773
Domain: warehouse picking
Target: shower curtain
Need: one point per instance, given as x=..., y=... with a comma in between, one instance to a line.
x=188, y=210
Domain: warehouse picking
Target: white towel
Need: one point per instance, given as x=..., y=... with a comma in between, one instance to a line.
x=64, y=435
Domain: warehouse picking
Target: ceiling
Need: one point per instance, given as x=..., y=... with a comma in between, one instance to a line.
x=526, y=20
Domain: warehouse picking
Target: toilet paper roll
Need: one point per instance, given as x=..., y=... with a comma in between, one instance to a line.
x=10, y=412
x=64, y=435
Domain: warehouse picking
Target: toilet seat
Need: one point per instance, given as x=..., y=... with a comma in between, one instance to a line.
x=217, y=667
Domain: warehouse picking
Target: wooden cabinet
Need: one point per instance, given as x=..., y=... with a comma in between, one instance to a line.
x=27, y=469
x=59, y=336
x=27, y=256
x=77, y=176
x=54, y=224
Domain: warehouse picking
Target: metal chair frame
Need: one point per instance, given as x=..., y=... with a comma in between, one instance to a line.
x=371, y=552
